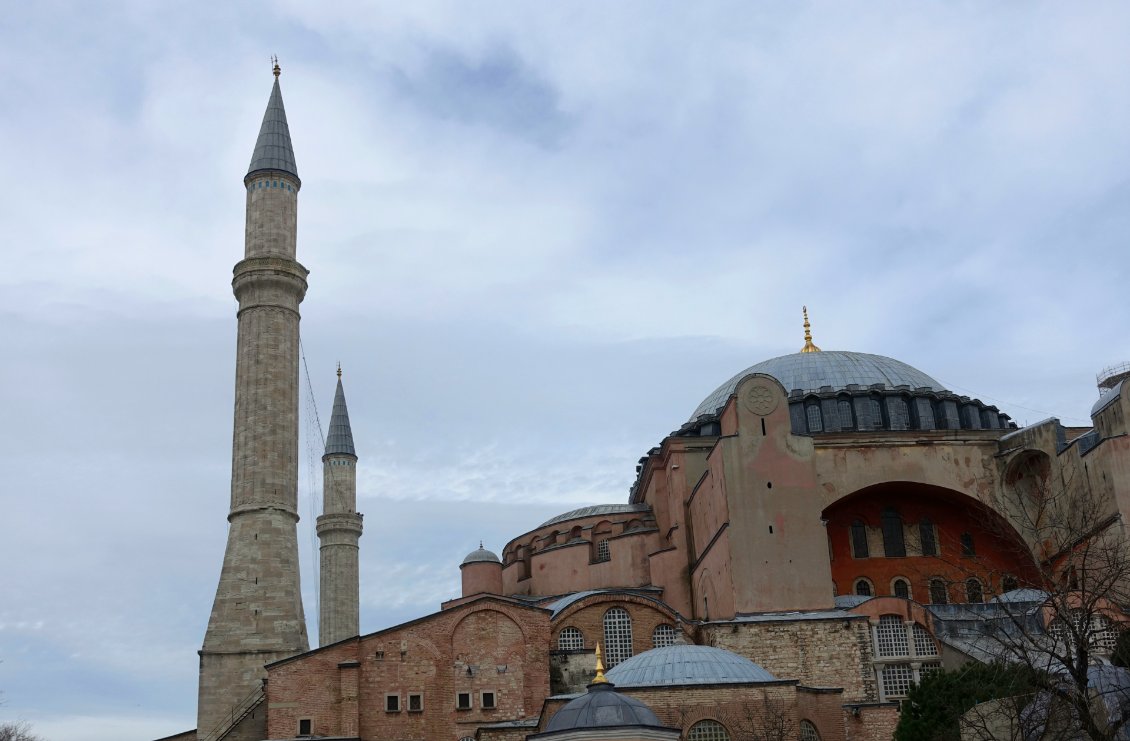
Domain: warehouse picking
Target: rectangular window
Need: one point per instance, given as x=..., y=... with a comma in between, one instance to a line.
x=486, y=700
x=304, y=727
x=415, y=702
x=392, y=703
x=463, y=701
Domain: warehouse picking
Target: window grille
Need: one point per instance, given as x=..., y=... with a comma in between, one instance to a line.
x=1103, y=634
x=926, y=535
x=890, y=637
x=859, y=540
x=973, y=591
x=939, y=595
x=708, y=730
x=863, y=588
x=893, y=544
x=929, y=667
x=896, y=679
x=815, y=423
x=1100, y=632
x=808, y=732
x=617, y=636
x=902, y=588
x=845, y=415
x=570, y=639
x=664, y=635
x=602, y=553
x=923, y=642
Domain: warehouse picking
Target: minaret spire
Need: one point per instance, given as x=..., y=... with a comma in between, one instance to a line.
x=339, y=529
x=257, y=616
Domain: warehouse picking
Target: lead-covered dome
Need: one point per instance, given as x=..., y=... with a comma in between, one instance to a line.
x=601, y=707
x=812, y=371
x=686, y=664
x=482, y=555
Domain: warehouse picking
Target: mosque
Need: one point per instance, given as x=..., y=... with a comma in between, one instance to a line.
x=806, y=544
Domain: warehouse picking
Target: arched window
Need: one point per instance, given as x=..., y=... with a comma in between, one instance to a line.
x=815, y=422
x=901, y=588
x=973, y=591
x=617, y=636
x=863, y=588
x=924, y=642
x=570, y=639
x=1009, y=583
x=939, y=595
x=808, y=732
x=602, y=552
x=967, y=545
x=890, y=636
x=845, y=414
x=893, y=544
x=708, y=730
x=926, y=536
x=859, y=539
x=663, y=635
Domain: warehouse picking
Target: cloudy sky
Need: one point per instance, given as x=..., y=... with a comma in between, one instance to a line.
x=538, y=235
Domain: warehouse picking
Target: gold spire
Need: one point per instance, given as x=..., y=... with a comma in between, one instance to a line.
x=339, y=370
x=599, y=678
x=277, y=70
x=808, y=346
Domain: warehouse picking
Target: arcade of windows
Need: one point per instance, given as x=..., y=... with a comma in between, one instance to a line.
x=893, y=530
x=939, y=589
x=904, y=653
x=617, y=637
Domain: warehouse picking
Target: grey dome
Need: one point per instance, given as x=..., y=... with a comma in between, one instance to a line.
x=684, y=664
x=602, y=707
x=482, y=555
x=813, y=370
x=596, y=509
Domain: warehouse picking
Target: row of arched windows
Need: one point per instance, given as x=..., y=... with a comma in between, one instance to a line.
x=617, y=625
x=712, y=730
x=937, y=588
x=894, y=537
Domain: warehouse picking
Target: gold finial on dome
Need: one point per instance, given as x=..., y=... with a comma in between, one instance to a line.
x=808, y=346
x=599, y=678
x=277, y=69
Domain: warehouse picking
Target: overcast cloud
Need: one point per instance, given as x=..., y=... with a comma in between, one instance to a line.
x=538, y=234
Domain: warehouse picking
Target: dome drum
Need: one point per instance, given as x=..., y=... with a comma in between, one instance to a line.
x=898, y=409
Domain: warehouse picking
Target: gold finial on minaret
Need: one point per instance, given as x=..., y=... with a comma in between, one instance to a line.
x=808, y=346
x=599, y=678
x=339, y=370
x=277, y=70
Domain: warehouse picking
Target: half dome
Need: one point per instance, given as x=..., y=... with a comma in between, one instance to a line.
x=685, y=664
x=811, y=371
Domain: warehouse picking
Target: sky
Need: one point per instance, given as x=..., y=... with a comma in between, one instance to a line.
x=538, y=235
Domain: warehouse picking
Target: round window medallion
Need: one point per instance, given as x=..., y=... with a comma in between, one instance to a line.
x=760, y=399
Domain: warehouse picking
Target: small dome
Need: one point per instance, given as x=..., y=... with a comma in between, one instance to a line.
x=482, y=555
x=602, y=707
x=811, y=371
x=683, y=664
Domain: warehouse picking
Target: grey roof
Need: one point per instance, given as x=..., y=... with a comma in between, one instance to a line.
x=848, y=601
x=813, y=370
x=1107, y=398
x=686, y=664
x=482, y=555
x=602, y=707
x=1022, y=595
x=598, y=509
x=340, y=439
x=559, y=605
x=272, y=149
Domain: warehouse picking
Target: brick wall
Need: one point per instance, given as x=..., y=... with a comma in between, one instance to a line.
x=588, y=616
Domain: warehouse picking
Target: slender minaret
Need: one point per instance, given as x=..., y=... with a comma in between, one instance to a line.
x=339, y=528
x=257, y=616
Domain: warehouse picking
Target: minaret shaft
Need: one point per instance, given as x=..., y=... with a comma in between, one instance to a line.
x=339, y=528
x=257, y=615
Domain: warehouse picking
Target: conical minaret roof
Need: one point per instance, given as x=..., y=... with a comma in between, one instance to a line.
x=340, y=439
x=272, y=149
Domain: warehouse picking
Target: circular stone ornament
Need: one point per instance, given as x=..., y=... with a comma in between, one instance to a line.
x=761, y=398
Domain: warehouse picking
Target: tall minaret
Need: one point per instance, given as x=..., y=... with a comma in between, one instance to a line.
x=339, y=528
x=257, y=616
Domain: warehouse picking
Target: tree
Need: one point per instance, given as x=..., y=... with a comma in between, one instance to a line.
x=933, y=709
x=17, y=731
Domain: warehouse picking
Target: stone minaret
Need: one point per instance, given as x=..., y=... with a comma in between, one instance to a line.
x=339, y=528
x=257, y=616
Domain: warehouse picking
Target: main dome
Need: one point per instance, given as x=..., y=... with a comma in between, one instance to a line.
x=811, y=371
